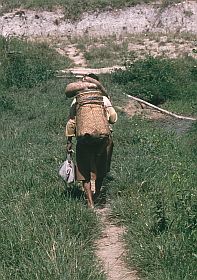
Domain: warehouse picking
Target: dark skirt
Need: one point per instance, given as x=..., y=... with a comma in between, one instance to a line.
x=93, y=161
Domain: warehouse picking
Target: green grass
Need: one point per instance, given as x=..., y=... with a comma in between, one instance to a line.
x=27, y=64
x=109, y=54
x=155, y=197
x=73, y=9
x=102, y=52
x=154, y=192
x=46, y=232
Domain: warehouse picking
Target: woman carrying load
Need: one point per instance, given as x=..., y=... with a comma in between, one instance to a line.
x=91, y=114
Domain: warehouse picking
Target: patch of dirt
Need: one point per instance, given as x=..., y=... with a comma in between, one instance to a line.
x=80, y=71
x=161, y=46
x=133, y=48
x=111, y=251
x=73, y=53
x=135, y=108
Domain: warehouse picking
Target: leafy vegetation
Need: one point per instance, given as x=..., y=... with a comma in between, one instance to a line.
x=158, y=80
x=27, y=64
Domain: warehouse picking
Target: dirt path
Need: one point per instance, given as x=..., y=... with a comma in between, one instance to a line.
x=110, y=249
x=73, y=53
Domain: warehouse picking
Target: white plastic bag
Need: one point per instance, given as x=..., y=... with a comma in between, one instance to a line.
x=67, y=170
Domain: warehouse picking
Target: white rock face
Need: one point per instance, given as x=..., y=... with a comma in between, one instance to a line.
x=141, y=18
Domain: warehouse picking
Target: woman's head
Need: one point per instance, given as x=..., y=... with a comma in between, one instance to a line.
x=93, y=76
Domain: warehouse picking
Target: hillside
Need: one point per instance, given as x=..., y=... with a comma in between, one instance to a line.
x=180, y=17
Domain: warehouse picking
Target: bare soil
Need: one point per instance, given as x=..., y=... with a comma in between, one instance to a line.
x=111, y=251
x=73, y=53
x=135, y=108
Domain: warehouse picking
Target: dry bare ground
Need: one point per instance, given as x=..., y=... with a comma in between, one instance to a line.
x=179, y=17
x=110, y=249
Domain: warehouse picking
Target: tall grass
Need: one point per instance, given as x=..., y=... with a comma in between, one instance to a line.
x=154, y=190
x=108, y=54
x=46, y=232
x=27, y=64
x=155, y=196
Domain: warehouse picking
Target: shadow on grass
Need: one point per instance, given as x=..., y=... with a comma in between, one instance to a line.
x=101, y=200
x=75, y=192
x=104, y=197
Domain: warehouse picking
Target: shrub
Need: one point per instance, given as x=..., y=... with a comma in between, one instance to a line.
x=26, y=64
x=6, y=103
x=157, y=80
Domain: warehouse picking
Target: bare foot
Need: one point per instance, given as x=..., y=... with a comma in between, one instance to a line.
x=91, y=205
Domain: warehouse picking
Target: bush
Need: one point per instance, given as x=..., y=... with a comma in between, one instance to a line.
x=157, y=80
x=26, y=64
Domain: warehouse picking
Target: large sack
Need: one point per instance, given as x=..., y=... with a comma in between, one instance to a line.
x=99, y=85
x=88, y=83
x=74, y=88
x=91, y=118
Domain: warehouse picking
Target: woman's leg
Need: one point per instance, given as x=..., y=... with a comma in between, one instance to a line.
x=98, y=185
x=87, y=188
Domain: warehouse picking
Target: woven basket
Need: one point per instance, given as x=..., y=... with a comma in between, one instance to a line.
x=91, y=116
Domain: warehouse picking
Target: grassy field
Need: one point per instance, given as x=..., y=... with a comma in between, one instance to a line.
x=155, y=197
x=74, y=8
x=47, y=232
x=154, y=191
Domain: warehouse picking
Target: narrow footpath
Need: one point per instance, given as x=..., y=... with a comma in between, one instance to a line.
x=110, y=249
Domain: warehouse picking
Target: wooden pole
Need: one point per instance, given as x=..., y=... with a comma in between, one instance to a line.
x=160, y=109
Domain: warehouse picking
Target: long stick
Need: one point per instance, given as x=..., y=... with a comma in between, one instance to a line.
x=160, y=109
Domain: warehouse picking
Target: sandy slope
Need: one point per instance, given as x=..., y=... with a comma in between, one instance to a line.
x=181, y=17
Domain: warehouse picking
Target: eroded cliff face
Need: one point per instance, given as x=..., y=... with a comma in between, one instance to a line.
x=181, y=17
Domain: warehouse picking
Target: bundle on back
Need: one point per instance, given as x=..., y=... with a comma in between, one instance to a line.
x=87, y=84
